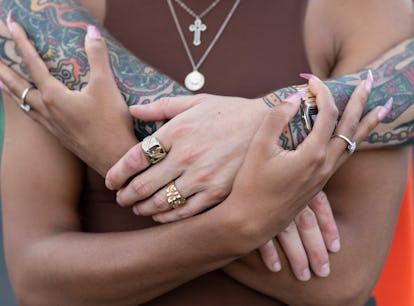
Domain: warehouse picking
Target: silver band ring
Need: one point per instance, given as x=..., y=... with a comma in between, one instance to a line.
x=351, y=147
x=23, y=105
x=153, y=150
x=174, y=198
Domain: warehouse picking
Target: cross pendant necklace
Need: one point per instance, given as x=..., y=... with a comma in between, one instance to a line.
x=195, y=80
x=198, y=26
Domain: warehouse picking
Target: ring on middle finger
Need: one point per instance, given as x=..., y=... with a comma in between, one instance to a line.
x=153, y=150
x=174, y=198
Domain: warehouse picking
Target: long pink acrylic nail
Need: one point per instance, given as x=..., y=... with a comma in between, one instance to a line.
x=93, y=32
x=369, y=81
x=9, y=21
x=385, y=110
x=294, y=97
x=308, y=76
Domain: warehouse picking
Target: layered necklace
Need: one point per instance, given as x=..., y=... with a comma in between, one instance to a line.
x=195, y=80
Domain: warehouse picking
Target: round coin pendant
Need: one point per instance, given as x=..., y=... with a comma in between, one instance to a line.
x=194, y=81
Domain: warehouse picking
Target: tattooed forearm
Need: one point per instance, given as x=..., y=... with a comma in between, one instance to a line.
x=57, y=29
x=394, y=77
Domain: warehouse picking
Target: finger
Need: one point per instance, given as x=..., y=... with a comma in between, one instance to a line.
x=322, y=209
x=295, y=252
x=34, y=65
x=272, y=127
x=195, y=204
x=327, y=115
x=372, y=119
x=14, y=84
x=270, y=256
x=313, y=242
x=147, y=183
x=100, y=66
x=165, y=108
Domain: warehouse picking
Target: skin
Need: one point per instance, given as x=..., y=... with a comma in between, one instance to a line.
x=390, y=154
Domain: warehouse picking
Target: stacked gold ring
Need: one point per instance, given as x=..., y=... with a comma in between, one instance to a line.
x=174, y=198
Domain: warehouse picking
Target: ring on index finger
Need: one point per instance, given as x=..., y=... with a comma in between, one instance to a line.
x=23, y=105
x=153, y=150
x=351, y=147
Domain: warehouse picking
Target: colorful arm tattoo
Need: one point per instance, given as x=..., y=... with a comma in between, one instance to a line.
x=394, y=77
x=57, y=29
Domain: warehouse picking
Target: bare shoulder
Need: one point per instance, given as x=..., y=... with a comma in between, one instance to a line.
x=97, y=8
x=342, y=36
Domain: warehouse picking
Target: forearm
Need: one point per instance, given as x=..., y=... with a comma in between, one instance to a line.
x=119, y=268
x=366, y=224
x=393, y=78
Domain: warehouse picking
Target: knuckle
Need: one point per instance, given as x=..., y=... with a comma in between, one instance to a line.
x=141, y=187
x=333, y=112
x=189, y=155
x=306, y=219
x=133, y=159
x=318, y=158
x=185, y=212
x=160, y=202
x=47, y=97
x=219, y=193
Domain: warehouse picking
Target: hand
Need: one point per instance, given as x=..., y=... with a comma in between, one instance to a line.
x=82, y=120
x=306, y=241
x=206, y=145
x=273, y=184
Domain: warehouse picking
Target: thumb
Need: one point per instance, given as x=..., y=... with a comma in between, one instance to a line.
x=275, y=122
x=95, y=47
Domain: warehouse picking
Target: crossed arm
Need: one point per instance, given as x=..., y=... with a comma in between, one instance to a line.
x=168, y=91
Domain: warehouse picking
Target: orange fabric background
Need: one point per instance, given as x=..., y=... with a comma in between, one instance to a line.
x=396, y=284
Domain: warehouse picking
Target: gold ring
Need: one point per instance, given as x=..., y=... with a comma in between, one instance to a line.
x=174, y=198
x=153, y=150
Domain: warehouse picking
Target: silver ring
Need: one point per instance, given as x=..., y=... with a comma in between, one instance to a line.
x=153, y=150
x=23, y=105
x=351, y=147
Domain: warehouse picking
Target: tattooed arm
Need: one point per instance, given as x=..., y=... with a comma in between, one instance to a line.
x=57, y=30
x=393, y=75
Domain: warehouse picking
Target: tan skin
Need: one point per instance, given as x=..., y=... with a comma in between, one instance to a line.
x=353, y=222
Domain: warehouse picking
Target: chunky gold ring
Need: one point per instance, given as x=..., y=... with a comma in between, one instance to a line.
x=23, y=105
x=153, y=150
x=174, y=198
x=351, y=147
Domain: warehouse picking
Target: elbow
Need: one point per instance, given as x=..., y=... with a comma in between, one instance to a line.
x=346, y=292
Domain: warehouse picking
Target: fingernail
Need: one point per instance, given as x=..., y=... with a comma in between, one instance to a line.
x=277, y=266
x=306, y=275
x=325, y=270
x=385, y=110
x=335, y=246
x=93, y=32
x=369, y=81
x=295, y=97
x=135, y=210
x=309, y=76
x=9, y=21
x=109, y=185
x=1, y=86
